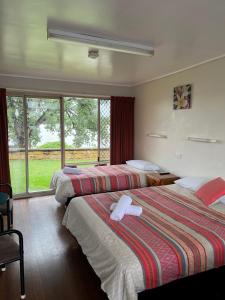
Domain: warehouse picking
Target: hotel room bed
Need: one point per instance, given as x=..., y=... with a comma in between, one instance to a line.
x=176, y=236
x=97, y=180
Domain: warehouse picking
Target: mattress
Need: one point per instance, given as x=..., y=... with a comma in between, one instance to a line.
x=97, y=180
x=176, y=236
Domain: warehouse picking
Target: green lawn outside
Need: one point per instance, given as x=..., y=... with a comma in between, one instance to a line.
x=40, y=174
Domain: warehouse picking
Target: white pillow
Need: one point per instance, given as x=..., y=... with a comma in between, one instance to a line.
x=192, y=183
x=143, y=165
x=221, y=200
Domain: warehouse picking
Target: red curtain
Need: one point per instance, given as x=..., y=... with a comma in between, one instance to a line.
x=122, y=130
x=4, y=152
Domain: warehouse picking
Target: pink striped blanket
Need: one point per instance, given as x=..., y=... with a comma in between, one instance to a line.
x=97, y=180
x=175, y=236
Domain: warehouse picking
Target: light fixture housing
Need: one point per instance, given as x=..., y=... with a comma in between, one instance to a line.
x=100, y=42
x=202, y=140
x=93, y=53
x=156, y=135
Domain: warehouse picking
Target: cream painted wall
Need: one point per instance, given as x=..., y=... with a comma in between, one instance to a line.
x=154, y=113
x=63, y=87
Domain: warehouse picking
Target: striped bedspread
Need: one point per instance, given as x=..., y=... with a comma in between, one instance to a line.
x=176, y=236
x=97, y=180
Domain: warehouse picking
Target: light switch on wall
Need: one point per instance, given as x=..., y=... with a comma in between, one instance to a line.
x=178, y=155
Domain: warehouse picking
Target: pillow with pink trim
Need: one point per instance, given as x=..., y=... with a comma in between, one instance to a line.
x=212, y=191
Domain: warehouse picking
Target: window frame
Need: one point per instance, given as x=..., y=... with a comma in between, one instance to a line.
x=60, y=97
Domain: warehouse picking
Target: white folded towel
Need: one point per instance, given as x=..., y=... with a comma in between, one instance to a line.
x=69, y=170
x=133, y=210
x=121, y=207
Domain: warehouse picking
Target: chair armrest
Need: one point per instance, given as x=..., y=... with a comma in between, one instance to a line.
x=9, y=188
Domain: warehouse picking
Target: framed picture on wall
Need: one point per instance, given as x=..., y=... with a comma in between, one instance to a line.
x=182, y=97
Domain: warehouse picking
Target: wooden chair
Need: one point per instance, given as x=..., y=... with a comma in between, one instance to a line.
x=10, y=252
x=6, y=203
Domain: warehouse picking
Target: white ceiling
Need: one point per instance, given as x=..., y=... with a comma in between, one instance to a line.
x=182, y=32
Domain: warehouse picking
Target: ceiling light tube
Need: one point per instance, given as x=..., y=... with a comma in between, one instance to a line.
x=99, y=42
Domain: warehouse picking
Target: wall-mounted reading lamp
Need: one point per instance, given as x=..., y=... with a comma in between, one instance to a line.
x=202, y=140
x=154, y=135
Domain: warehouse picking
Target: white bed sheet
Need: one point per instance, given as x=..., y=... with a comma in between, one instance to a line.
x=62, y=186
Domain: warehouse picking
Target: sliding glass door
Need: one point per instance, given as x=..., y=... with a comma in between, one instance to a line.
x=47, y=133
x=17, y=145
x=34, y=142
x=87, y=131
x=81, y=131
x=44, y=141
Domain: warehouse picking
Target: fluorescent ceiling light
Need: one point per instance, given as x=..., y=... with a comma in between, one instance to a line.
x=99, y=42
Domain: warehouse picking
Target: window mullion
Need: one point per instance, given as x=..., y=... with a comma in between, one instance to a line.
x=62, y=132
x=26, y=143
x=99, y=131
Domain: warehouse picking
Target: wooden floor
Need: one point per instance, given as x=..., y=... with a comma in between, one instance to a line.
x=55, y=268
